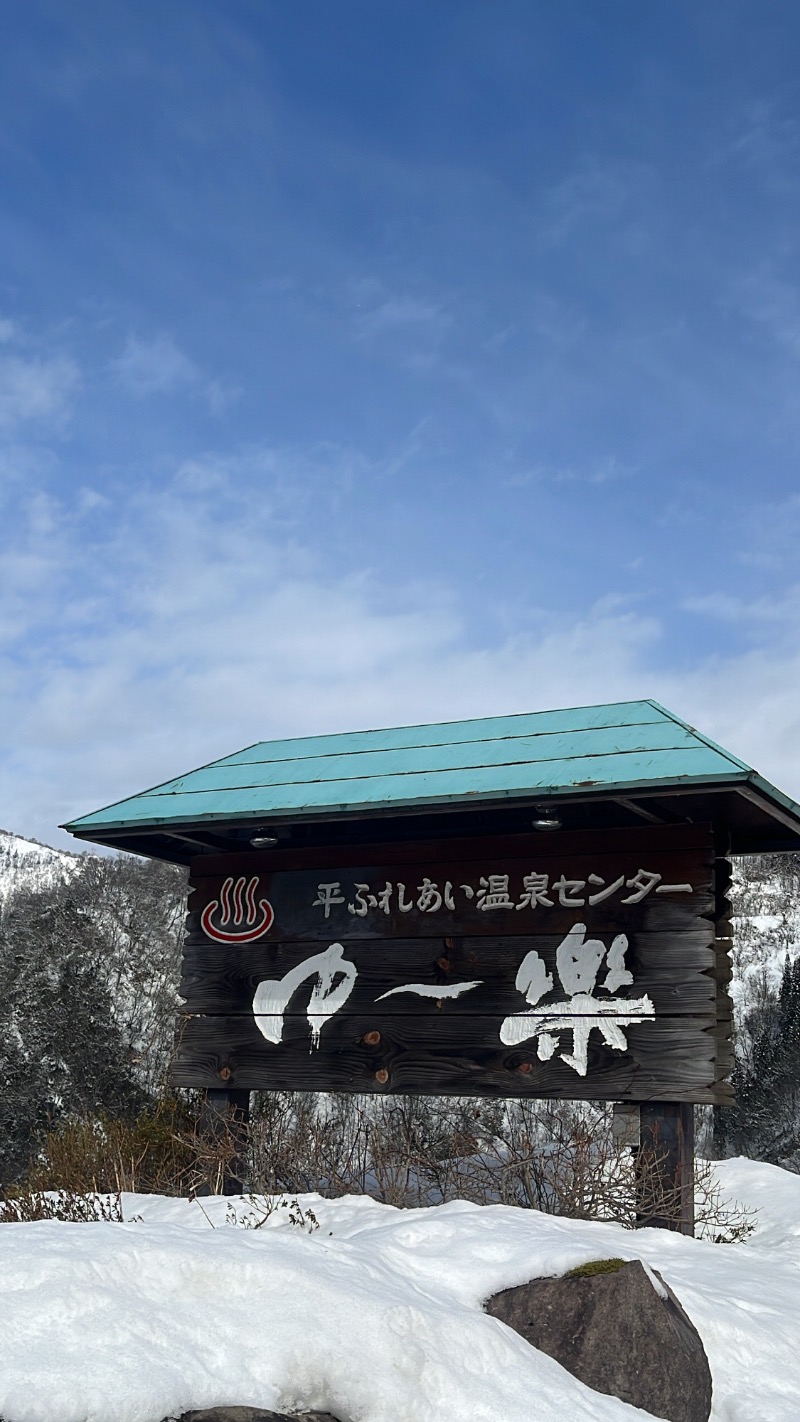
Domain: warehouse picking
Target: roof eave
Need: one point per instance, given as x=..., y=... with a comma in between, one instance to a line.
x=772, y=799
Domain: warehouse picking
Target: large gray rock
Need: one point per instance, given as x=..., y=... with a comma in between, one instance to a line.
x=618, y=1333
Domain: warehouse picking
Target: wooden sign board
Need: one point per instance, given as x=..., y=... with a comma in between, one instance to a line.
x=588, y=965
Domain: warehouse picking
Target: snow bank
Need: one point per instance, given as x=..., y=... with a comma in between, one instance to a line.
x=375, y=1317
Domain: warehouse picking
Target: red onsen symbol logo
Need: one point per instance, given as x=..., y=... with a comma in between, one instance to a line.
x=257, y=917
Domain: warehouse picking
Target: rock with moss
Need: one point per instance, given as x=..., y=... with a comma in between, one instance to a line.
x=596, y=1266
x=619, y=1328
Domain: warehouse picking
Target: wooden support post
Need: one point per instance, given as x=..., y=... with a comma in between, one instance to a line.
x=224, y=1127
x=665, y=1167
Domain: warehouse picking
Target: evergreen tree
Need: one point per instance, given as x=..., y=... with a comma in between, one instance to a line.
x=765, y=1122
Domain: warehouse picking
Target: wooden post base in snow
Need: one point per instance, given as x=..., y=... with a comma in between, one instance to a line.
x=665, y=1167
x=225, y=1119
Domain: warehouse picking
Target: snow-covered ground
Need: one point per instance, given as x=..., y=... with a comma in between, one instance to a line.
x=375, y=1317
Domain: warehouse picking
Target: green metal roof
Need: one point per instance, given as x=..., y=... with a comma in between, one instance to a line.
x=627, y=748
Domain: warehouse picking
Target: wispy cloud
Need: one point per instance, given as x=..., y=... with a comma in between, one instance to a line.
x=154, y=367
x=767, y=141
x=36, y=390
x=598, y=192
x=605, y=471
x=410, y=329
x=770, y=542
x=158, y=366
x=773, y=303
x=404, y=313
x=779, y=609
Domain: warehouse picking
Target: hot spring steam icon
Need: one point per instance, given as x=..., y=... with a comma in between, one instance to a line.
x=237, y=906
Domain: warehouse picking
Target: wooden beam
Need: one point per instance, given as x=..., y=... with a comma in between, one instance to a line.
x=209, y=842
x=665, y=1167
x=768, y=807
x=639, y=810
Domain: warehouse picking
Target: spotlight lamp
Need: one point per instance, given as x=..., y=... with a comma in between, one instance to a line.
x=546, y=818
x=264, y=839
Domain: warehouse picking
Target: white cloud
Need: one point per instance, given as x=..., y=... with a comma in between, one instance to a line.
x=403, y=314
x=36, y=391
x=154, y=367
x=221, y=396
x=21, y=464
x=159, y=367
x=723, y=606
x=408, y=329
x=726, y=607
x=607, y=470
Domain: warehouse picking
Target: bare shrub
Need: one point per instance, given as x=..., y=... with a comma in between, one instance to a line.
x=403, y=1150
x=554, y=1156
x=260, y=1209
x=151, y=1154
x=66, y=1205
x=557, y=1157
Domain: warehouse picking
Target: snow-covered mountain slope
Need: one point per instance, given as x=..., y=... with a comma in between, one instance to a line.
x=26, y=864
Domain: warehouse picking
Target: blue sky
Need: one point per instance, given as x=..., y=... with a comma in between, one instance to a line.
x=382, y=361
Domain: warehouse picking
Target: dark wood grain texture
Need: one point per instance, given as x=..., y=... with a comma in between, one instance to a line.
x=723, y=969
x=667, y=1059
x=648, y=839
x=675, y=970
x=665, y=1167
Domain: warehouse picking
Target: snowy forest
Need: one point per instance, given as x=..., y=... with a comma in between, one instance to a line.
x=89, y=967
